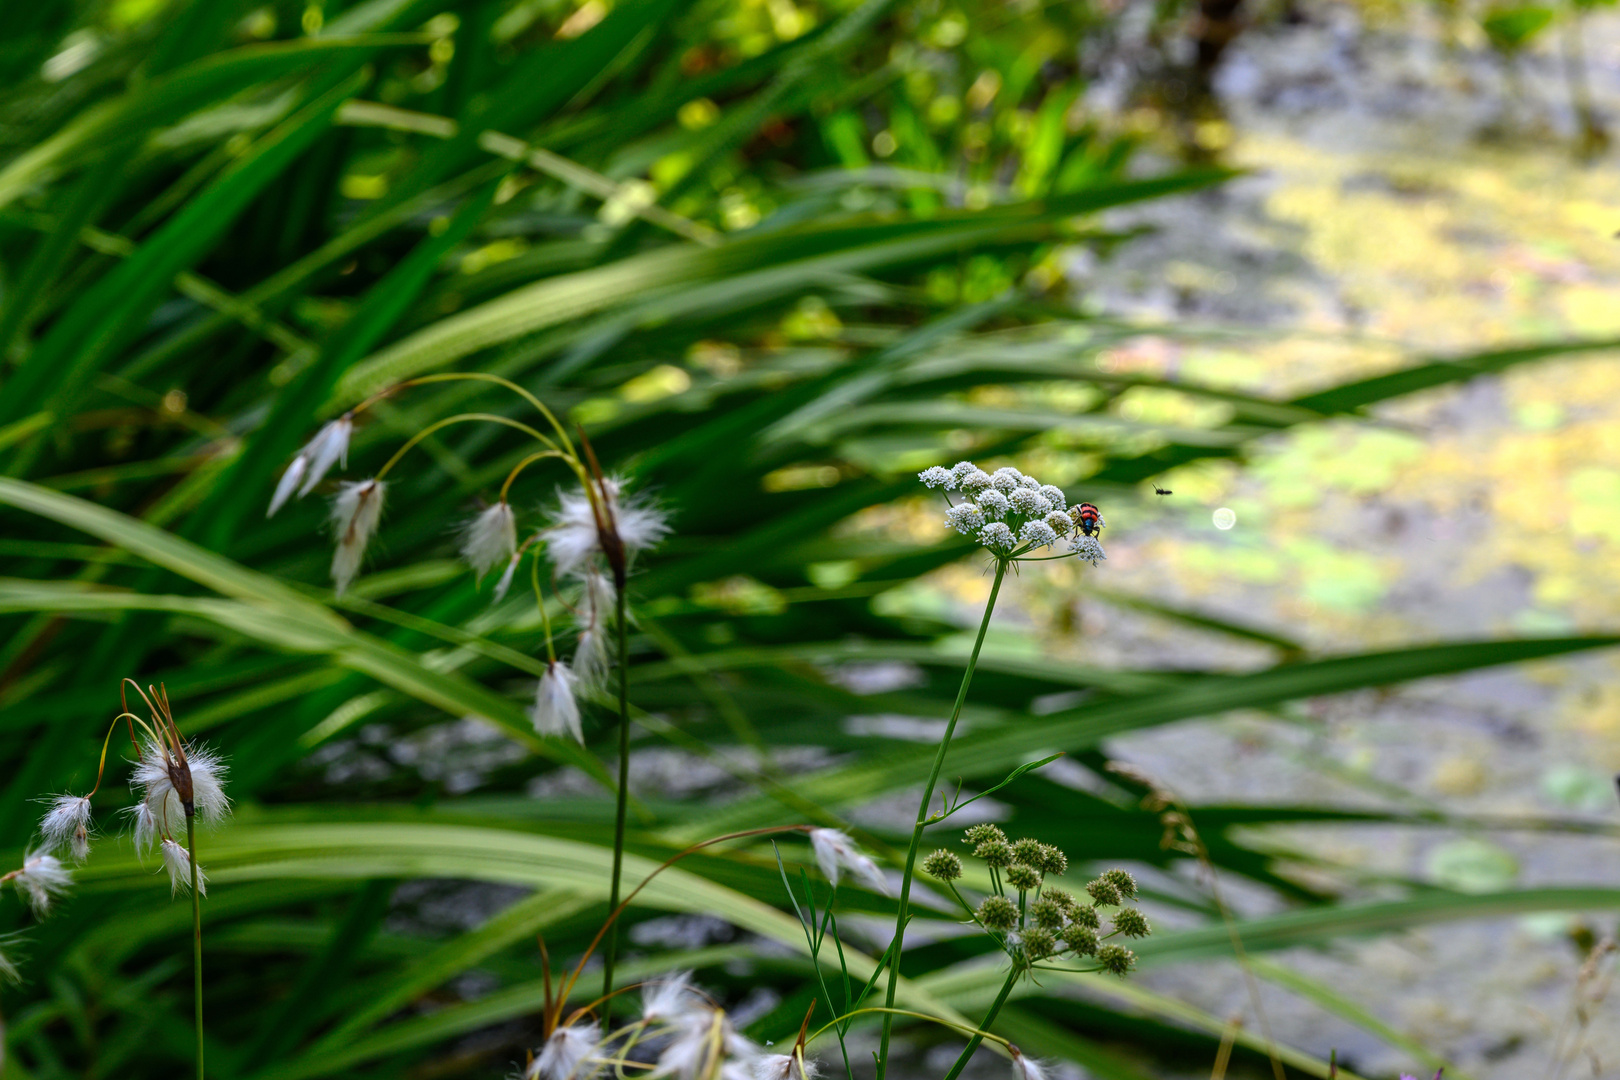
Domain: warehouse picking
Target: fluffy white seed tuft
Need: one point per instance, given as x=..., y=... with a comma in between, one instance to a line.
x=490, y=538
x=329, y=447
x=836, y=852
x=67, y=824
x=505, y=582
x=783, y=1067
x=356, y=513
x=566, y=1055
x=572, y=537
x=556, y=711
x=671, y=999
x=177, y=861
x=41, y=880
x=163, y=804
x=1025, y=1068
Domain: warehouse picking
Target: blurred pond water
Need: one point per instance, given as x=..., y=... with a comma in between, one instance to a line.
x=1401, y=202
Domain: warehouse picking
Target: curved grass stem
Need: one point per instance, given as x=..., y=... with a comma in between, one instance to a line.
x=922, y=822
x=610, y=953
x=984, y=1025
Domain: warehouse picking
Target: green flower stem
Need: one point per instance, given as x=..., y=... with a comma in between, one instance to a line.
x=984, y=1025
x=612, y=949
x=922, y=821
x=196, y=936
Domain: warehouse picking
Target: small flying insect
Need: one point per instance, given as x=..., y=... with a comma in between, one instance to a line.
x=1157, y=490
x=1087, y=519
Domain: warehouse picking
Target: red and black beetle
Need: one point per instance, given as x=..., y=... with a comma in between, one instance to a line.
x=1087, y=519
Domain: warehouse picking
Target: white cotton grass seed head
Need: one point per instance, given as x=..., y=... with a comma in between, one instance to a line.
x=1087, y=548
x=566, y=1055
x=670, y=999
x=1054, y=495
x=784, y=1067
x=329, y=447
x=1025, y=1068
x=1007, y=480
x=836, y=852
x=505, y=582
x=965, y=518
x=997, y=537
x=41, y=880
x=145, y=828
x=556, y=710
x=994, y=505
x=1060, y=522
x=490, y=538
x=151, y=777
x=67, y=824
x=177, y=861
x=937, y=477
x=1037, y=534
x=356, y=512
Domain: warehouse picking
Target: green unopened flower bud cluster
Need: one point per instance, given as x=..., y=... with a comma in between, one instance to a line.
x=1035, y=921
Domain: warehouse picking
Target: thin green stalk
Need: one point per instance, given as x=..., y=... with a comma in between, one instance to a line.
x=623, y=805
x=196, y=936
x=984, y=1025
x=922, y=821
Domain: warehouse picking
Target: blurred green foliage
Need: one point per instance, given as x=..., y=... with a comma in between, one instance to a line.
x=774, y=257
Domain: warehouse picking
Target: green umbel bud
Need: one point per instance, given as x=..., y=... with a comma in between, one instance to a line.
x=995, y=852
x=1046, y=913
x=1131, y=923
x=1027, y=851
x=1052, y=860
x=1085, y=915
x=1039, y=943
x=943, y=866
x=978, y=834
x=1121, y=880
x=1082, y=939
x=1105, y=892
x=998, y=913
x=1023, y=878
x=1063, y=898
x=1116, y=958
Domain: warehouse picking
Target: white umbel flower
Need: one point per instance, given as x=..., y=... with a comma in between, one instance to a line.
x=41, y=880
x=1054, y=495
x=1037, y=534
x=1061, y=523
x=1007, y=480
x=67, y=824
x=836, y=852
x=1087, y=548
x=965, y=518
x=356, y=512
x=671, y=999
x=937, y=477
x=970, y=479
x=994, y=505
x=556, y=712
x=1029, y=503
x=998, y=537
x=177, y=861
x=329, y=447
x=490, y=538
x=566, y=1055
